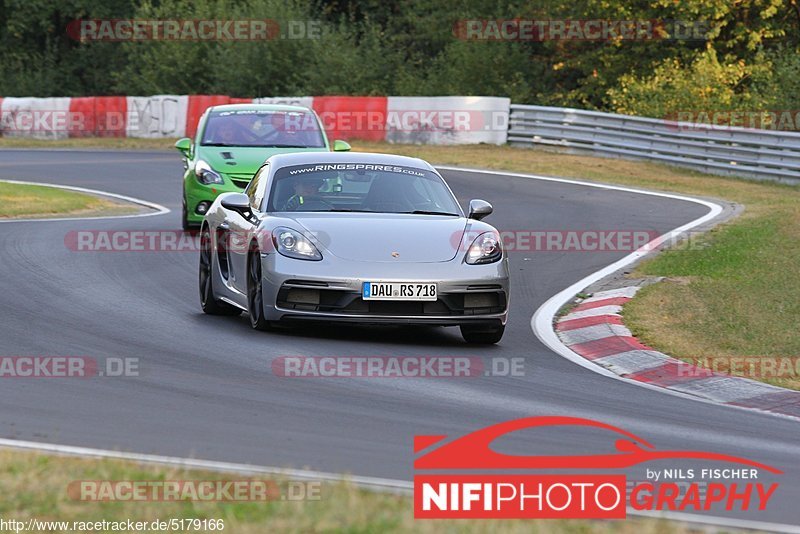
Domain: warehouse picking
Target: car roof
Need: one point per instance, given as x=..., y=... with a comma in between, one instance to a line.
x=309, y=158
x=258, y=107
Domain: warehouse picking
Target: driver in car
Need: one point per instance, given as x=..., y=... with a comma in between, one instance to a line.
x=226, y=134
x=306, y=188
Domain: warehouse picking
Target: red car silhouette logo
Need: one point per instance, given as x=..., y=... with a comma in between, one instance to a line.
x=473, y=451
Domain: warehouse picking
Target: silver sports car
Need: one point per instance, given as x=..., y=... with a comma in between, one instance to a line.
x=366, y=238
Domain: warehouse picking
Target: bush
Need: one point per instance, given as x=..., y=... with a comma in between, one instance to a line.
x=703, y=85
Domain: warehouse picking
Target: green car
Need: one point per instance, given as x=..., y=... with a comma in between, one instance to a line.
x=231, y=144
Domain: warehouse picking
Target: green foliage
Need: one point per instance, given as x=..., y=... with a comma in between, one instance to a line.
x=747, y=58
x=705, y=84
x=38, y=58
x=474, y=68
x=783, y=85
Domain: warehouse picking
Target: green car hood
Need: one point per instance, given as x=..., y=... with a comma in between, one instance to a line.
x=243, y=160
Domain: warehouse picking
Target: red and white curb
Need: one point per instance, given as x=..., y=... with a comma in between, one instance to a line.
x=595, y=330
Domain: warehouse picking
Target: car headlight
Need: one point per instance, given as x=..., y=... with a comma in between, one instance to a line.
x=206, y=175
x=486, y=248
x=293, y=244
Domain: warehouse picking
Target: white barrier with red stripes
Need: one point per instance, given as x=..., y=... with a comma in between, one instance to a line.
x=449, y=120
x=156, y=116
x=397, y=119
x=41, y=118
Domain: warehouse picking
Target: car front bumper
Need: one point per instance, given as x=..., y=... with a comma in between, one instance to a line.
x=195, y=193
x=467, y=294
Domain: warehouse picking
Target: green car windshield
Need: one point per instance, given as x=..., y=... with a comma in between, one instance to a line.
x=360, y=187
x=263, y=129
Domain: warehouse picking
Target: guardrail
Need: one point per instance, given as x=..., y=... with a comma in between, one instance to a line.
x=760, y=154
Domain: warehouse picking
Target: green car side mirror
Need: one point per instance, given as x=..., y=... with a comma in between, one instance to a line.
x=341, y=146
x=184, y=146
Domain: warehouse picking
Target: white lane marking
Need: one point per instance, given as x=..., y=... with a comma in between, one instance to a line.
x=542, y=319
x=159, y=209
x=191, y=463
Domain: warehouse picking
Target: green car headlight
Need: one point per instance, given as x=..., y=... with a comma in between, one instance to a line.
x=206, y=175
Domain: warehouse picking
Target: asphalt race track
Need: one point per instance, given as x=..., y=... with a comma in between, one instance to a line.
x=206, y=388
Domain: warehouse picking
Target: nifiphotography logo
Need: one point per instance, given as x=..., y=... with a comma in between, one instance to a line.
x=508, y=494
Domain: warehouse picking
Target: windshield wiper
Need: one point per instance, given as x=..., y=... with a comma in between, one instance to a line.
x=256, y=146
x=425, y=212
x=343, y=210
x=286, y=146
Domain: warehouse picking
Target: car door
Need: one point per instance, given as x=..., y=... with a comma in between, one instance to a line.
x=241, y=231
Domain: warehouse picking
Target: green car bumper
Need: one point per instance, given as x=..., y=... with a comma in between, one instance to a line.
x=198, y=197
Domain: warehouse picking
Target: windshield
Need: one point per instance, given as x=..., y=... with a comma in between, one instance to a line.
x=360, y=187
x=266, y=129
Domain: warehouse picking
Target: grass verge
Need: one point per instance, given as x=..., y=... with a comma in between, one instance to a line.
x=20, y=201
x=110, y=143
x=35, y=487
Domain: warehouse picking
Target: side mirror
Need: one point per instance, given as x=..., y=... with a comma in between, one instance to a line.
x=478, y=209
x=341, y=146
x=184, y=146
x=238, y=202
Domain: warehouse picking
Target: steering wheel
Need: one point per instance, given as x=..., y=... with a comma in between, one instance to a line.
x=243, y=133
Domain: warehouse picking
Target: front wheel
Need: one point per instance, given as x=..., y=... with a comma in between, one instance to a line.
x=208, y=301
x=482, y=335
x=255, y=292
